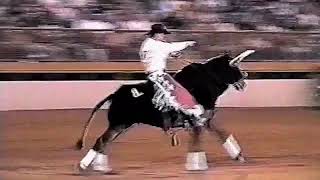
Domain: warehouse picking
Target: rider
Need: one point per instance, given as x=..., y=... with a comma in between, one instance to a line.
x=154, y=53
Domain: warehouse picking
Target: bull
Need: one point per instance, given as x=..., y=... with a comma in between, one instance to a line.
x=132, y=104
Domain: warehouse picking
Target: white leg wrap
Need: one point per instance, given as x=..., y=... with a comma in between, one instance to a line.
x=100, y=163
x=88, y=158
x=232, y=147
x=196, y=161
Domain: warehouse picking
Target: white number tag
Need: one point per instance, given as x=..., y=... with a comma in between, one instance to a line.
x=135, y=93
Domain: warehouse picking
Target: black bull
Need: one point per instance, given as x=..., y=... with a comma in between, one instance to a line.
x=132, y=104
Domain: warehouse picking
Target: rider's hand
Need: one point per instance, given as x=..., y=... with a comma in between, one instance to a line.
x=191, y=43
x=175, y=54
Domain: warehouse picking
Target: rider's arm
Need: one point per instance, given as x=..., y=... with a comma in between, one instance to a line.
x=178, y=46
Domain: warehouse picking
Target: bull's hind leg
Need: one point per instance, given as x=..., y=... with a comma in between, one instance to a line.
x=228, y=141
x=97, y=156
x=196, y=158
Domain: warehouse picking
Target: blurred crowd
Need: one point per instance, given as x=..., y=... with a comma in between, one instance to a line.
x=217, y=15
x=274, y=15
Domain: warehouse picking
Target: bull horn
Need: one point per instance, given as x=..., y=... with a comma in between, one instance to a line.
x=240, y=57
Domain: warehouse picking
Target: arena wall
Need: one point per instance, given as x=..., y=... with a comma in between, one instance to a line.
x=37, y=95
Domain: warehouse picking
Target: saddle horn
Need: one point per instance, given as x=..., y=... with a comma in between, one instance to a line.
x=235, y=61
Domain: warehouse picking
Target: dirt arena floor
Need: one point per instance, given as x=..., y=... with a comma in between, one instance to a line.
x=279, y=143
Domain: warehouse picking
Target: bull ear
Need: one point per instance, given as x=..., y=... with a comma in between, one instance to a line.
x=235, y=61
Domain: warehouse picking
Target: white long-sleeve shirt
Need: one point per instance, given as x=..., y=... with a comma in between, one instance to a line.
x=154, y=54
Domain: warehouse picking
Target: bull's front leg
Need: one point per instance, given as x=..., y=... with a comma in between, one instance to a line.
x=196, y=158
x=228, y=141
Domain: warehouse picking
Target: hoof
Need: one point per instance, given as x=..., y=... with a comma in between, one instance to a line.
x=196, y=168
x=196, y=161
x=241, y=159
x=102, y=169
x=100, y=164
x=91, y=170
x=82, y=169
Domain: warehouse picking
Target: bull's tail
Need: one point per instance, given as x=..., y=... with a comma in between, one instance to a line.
x=80, y=142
